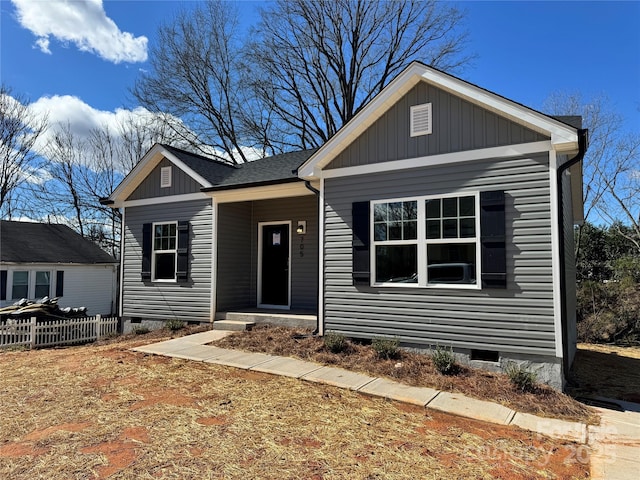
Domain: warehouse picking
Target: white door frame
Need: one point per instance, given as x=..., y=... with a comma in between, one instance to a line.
x=259, y=292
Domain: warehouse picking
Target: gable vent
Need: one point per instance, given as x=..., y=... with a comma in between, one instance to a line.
x=165, y=177
x=421, y=120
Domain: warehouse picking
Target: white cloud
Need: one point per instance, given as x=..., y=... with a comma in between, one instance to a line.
x=83, y=23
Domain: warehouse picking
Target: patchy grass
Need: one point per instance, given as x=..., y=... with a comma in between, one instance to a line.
x=101, y=411
x=413, y=369
x=607, y=371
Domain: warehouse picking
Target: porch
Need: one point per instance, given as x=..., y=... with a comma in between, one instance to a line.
x=266, y=268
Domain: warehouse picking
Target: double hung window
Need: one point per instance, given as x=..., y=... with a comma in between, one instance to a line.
x=427, y=241
x=20, y=287
x=165, y=240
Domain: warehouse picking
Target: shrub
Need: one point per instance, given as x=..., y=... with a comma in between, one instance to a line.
x=174, y=324
x=444, y=360
x=609, y=312
x=385, y=348
x=521, y=378
x=141, y=330
x=335, y=342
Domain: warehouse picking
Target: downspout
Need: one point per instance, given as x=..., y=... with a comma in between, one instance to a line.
x=307, y=184
x=564, y=323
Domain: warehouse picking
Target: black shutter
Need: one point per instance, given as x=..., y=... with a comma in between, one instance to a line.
x=493, y=240
x=146, y=252
x=59, y=283
x=182, y=271
x=3, y=284
x=360, y=243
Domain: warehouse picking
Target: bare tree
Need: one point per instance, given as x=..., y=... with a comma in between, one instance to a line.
x=611, y=166
x=305, y=71
x=196, y=76
x=321, y=62
x=19, y=131
x=61, y=195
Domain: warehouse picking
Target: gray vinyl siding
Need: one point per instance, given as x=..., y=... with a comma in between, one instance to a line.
x=238, y=246
x=181, y=183
x=519, y=319
x=570, y=267
x=235, y=257
x=458, y=125
x=156, y=300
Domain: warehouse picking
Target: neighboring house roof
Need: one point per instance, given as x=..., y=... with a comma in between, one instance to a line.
x=564, y=137
x=26, y=242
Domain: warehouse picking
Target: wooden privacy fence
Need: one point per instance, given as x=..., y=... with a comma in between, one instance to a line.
x=33, y=332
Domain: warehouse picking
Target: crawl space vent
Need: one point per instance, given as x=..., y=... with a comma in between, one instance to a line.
x=165, y=177
x=420, y=119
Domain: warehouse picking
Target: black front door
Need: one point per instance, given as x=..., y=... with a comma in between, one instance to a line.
x=275, y=265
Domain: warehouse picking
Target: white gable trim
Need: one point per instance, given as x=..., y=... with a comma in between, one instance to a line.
x=145, y=166
x=563, y=137
x=446, y=158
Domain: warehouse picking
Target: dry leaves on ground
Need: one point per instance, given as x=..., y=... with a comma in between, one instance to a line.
x=105, y=411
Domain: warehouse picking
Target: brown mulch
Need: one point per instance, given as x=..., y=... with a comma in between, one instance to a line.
x=413, y=369
x=103, y=411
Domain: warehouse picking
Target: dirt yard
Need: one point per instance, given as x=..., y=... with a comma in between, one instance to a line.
x=607, y=371
x=106, y=412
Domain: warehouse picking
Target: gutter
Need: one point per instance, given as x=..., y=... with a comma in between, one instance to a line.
x=307, y=184
x=583, y=141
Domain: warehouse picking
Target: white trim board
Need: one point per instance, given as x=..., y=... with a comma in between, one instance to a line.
x=444, y=159
x=187, y=197
x=555, y=253
x=266, y=192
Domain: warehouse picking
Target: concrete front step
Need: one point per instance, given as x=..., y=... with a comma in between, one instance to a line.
x=233, y=325
x=281, y=319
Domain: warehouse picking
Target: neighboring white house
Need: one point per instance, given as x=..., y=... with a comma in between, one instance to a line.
x=39, y=259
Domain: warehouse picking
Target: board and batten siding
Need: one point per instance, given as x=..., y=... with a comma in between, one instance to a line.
x=458, y=125
x=181, y=183
x=519, y=319
x=163, y=300
x=304, y=268
x=237, y=275
x=236, y=257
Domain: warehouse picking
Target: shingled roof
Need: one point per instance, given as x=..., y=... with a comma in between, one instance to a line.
x=223, y=176
x=26, y=242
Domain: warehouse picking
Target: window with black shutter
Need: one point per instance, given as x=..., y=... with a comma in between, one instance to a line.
x=493, y=240
x=451, y=241
x=3, y=284
x=360, y=243
x=59, y=283
x=165, y=252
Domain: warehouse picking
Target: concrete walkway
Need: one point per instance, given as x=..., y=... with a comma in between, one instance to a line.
x=614, y=444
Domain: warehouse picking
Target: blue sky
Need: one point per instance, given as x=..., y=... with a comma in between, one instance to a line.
x=526, y=50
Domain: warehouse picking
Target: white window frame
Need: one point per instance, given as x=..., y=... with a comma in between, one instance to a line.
x=13, y=284
x=422, y=242
x=154, y=252
x=35, y=284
